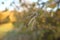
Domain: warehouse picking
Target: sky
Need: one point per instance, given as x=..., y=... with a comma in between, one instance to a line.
x=8, y=2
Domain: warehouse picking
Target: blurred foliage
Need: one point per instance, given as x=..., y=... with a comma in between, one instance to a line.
x=35, y=25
